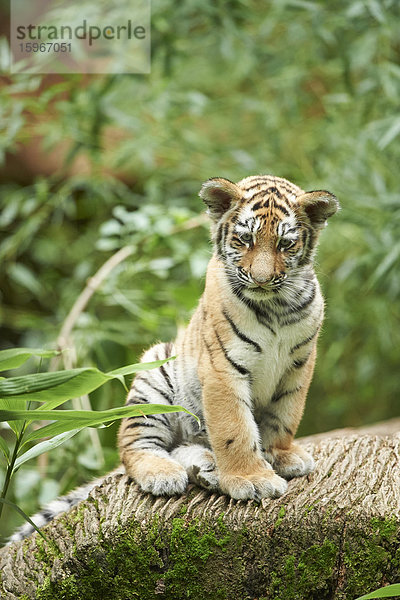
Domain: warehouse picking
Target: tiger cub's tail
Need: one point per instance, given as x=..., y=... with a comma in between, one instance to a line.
x=58, y=506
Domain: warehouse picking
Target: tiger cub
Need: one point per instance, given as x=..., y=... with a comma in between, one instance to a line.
x=245, y=362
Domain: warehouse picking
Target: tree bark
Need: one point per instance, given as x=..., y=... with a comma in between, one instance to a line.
x=333, y=535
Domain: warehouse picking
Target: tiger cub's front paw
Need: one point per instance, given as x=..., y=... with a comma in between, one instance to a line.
x=263, y=484
x=160, y=476
x=293, y=462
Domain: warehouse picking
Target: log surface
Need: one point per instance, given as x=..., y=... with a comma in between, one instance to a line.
x=333, y=535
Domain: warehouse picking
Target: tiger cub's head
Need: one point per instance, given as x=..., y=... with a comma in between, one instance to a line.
x=265, y=230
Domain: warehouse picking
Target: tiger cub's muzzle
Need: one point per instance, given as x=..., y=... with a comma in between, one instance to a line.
x=263, y=281
x=272, y=282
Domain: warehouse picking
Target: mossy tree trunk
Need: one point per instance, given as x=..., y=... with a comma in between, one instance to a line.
x=334, y=535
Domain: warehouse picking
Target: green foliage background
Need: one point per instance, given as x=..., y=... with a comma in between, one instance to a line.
x=307, y=90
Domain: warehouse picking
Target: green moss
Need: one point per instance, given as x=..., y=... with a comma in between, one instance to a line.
x=68, y=522
x=45, y=550
x=316, y=565
x=189, y=559
x=386, y=528
x=372, y=560
x=190, y=547
x=281, y=514
x=168, y=558
x=126, y=569
x=309, y=576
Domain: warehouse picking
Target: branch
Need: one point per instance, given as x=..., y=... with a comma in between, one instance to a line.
x=92, y=285
x=334, y=534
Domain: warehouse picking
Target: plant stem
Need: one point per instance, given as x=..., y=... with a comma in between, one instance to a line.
x=10, y=468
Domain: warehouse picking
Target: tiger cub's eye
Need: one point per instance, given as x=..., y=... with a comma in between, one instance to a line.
x=286, y=243
x=246, y=237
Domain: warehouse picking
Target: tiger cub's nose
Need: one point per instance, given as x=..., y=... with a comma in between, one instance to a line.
x=262, y=280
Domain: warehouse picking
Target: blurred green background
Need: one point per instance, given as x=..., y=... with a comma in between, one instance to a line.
x=307, y=90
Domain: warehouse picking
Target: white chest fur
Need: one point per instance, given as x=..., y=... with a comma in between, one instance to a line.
x=281, y=345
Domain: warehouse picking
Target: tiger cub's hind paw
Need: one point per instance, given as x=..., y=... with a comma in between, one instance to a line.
x=161, y=484
x=160, y=476
x=205, y=478
x=199, y=463
x=294, y=462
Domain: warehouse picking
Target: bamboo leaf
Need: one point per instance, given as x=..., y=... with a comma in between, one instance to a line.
x=55, y=428
x=5, y=449
x=55, y=388
x=46, y=446
x=129, y=369
x=389, y=260
x=15, y=357
x=389, y=591
x=90, y=418
x=62, y=385
x=24, y=515
x=17, y=427
x=6, y=404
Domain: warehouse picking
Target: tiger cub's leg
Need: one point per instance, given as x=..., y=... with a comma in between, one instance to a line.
x=280, y=420
x=243, y=471
x=199, y=463
x=144, y=441
x=151, y=467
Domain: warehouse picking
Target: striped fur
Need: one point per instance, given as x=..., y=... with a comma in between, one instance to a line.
x=245, y=361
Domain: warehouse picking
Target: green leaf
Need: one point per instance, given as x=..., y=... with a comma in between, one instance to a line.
x=15, y=357
x=389, y=591
x=56, y=388
x=62, y=385
x=129, y=369
x=45, y=446
x=55, y=428
x=5, y=449
x=389, y=260
x=21, y=512
x=16, y=426
x=24, y=277
x=90, y=418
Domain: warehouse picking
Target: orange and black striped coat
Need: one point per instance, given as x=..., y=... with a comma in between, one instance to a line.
x=245, y=361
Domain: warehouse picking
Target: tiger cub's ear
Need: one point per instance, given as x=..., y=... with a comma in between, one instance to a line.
x=219, y=194
x=318, y=205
